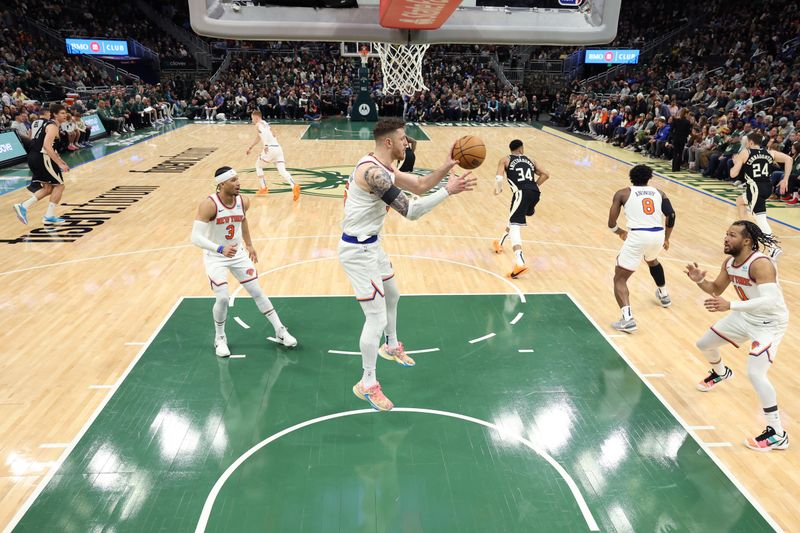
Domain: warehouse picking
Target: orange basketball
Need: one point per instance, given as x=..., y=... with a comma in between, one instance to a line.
x=469, y=151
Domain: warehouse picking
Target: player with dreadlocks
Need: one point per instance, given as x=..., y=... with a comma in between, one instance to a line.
x=760, y=317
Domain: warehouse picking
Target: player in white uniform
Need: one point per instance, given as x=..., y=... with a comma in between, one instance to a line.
x=760, y=317
x=373, y=188
x=646, y=210
x=271, y=153
x=220, y=229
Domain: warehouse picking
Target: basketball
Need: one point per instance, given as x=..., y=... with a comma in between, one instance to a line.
x=469, y=151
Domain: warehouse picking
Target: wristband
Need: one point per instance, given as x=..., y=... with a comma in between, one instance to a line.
x=498, y=178
x=614, y=229
x=220, y=248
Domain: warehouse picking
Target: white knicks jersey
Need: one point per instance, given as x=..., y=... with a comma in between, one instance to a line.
x=364, y=213
x=226, y=227
x=747, y=289
x=643, y=208
x=265, y=132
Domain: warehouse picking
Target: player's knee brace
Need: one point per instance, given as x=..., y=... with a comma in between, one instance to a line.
x=514, y=235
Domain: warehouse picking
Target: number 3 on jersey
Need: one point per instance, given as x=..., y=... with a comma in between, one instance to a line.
x=229, y=231
x=648, y=206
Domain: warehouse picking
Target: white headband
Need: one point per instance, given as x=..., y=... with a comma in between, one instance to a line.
x=225, y=176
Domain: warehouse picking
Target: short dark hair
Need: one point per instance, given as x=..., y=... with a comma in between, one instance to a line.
x=516, y=144
x=757, y=137
x=640, y=175
x=386, y=126
x=56, y=108
x=221, y=170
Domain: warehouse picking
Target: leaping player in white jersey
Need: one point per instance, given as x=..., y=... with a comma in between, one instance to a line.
x=270, y=153
x=220, y=229
x=760, y=317
x=373, y=188
x=646, y=210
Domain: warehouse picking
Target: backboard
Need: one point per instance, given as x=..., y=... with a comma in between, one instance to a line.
x=544, y=22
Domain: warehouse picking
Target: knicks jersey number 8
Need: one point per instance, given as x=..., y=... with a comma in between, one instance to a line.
x=648, y=206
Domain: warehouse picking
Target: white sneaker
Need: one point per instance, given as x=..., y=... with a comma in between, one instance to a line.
x=221, y=346
x=663, y=299
x=285, y=338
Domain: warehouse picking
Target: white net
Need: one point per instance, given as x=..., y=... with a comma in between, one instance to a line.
x=401, y=65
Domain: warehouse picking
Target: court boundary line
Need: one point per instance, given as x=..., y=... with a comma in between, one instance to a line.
x=717, y=461
x=660, y=175
x=23, y=510
x=208, y=505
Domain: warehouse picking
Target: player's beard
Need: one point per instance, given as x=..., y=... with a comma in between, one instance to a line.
x=733, y=251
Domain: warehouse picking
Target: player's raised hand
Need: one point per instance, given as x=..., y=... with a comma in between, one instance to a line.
x=450, y=161
x=457, y=184
x=717, y=304
x=694, y=272
x=251, y=252
x=230, y=250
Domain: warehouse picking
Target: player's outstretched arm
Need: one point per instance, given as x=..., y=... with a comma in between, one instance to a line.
x=422, y=184
x=715, y=287
x=380, y=184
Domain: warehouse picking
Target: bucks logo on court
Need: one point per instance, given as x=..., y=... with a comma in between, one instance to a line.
x=318, y=181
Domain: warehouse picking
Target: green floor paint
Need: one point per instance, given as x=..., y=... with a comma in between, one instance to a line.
x=342, y=129
x=182, y=416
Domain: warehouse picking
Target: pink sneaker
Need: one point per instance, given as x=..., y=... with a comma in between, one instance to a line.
x=398, y=354
x=374, y=395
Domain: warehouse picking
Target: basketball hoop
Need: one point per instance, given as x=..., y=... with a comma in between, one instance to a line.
x=401, y=65
x=364, y=53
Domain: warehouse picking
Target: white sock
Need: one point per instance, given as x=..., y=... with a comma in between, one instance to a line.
x=219, y=328
x=368, y=378
x=719, y=368
x=627, y=314
x=274, y=319
x=662, y=291
x=51, y=210
x=391, y=340
x=518, y=257
x=774, y=420
x=29, y=202
x=263, y=181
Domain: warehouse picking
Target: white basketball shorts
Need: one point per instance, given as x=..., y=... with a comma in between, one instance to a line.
x=764, y=335
x=367, y=266
x=242, y=268
x=638, y=245
x=272, y=154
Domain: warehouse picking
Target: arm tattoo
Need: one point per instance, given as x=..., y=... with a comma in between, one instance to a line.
x=379, y=182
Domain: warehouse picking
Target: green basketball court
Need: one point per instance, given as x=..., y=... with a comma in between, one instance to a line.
x=519, y=416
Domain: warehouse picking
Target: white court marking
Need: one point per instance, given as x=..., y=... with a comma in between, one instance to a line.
x=101, y=386
x=134, y=344
x=526, y=350
x=517, y=318
x=706, y=448
x=573, y=487
x=237, y=356
x=479, y=339
x=241, y=322
x=428, y=350
x=718, y=444
x=343, y=352
x=700, y=428
x=54, y=445
x=652, y=375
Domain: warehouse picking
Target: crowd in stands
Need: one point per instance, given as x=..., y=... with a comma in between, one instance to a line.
x=739, y=76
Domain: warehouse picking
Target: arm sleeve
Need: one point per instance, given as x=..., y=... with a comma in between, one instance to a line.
x=668, y=211
x=418, y=207
x=199, y=239
x=769, y=293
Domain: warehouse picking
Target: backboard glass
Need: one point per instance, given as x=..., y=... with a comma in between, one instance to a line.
x=474, y=21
